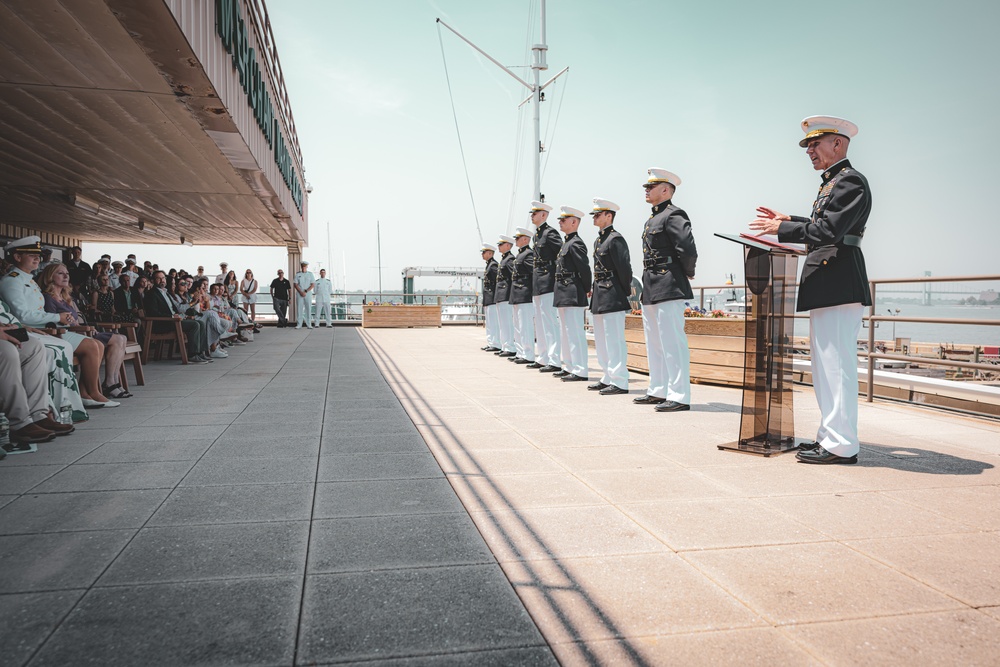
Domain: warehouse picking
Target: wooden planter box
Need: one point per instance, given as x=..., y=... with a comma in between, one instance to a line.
x=400, y=317
x=716, y=348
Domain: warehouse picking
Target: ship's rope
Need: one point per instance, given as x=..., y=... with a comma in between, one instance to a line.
x=458, y=131
x=555, y=125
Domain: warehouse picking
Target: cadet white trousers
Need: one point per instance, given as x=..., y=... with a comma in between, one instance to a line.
x=524, y=331
x=547, y=320
x=667, y=351
x=833, y=344
x=612, y=352
x=492, y=325
x=574, y=340
x=303, y=310
x=505, y=319
x=323, y=306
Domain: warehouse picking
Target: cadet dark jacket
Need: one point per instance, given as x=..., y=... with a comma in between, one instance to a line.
x=834, y=270
x=546, y=245
x=490, y=282
x=572, y=274
x=668, y=255
x=612, y=273
x=502, y=294
x=520, y=286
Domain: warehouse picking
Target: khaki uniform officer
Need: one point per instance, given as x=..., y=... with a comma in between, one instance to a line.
x=834, y=282
x=570, y=296
x=668, y=259
x=489, y=296
x=501, y=297
x=520, y=299
x=546, y=245
x=303, y=282
x=609, y=302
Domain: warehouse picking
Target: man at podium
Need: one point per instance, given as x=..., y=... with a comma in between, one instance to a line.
x=834, y=283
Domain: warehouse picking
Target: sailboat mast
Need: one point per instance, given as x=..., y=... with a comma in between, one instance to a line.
x=538, y=64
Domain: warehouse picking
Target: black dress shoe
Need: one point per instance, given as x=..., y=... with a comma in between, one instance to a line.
x=672, y=406
x=821, y=456
x=507, y=354
x=549, y=369
x=521, y=360
x=808, y=446
x=648, y=400
x=574, y=378
x=612, y=390
x=597, y=386
x=534, y=364
x=490, y=348
x=561, y=374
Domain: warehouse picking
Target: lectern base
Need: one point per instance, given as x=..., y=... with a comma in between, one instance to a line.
x=764, y=446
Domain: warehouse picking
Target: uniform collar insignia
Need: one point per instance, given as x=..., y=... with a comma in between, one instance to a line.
x=836, y=169
x=571, y=235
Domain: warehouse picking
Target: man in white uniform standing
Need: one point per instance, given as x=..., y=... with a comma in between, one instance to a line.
x=303, y=283
x=546, y=245
x=324, y=290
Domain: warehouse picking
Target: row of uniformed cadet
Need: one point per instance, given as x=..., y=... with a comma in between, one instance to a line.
x=555, y=276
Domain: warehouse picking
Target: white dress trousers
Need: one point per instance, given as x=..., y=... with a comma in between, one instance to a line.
x=612, y=352
x=505, y=320
x=833, y=343
x=574, y=340
x=547, y=320
x=492, y=325
x=524, y=331
x=667, y=351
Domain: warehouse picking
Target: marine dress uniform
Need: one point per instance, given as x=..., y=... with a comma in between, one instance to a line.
x=546, y=245
x=570, y=296
x=668, y=261
x=609, y=302
x=489, y=298
x=305, y=281
x=520, y=299
x=834, y=289
x=324, y=290
x=501, y=297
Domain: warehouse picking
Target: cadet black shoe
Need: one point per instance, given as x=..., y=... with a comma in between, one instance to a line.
x=561, y=374
x=597, y=386
x=612, y=390
x=549, y=369
x=648, y=400
x=534, y=364
x=490, y=348
x=821, y=456
x=520, y=360
x=574, y=378
x=808, y=446
x=672, y=406
x=506, y=354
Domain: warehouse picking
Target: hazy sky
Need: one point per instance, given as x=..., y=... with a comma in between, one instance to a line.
x=713, y=91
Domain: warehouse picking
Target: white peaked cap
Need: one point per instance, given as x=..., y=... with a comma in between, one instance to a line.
x=488, y=246
x=506, y=239
x=26, y=244
x=540, y=206
x=302, y=261
x=604, y=205
x=657, y=175
x=521, y=231
x=815, y=126
x=570, y=212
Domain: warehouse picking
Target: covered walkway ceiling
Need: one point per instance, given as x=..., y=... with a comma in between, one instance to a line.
x=104, y=99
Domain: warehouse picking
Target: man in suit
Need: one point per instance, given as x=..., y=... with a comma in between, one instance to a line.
x=159, y=304
x=520, y=299
x=489, y=296
x=505, y=312
x=545, y=245
x=834, y=283
x=126, y=304
x=668, y=260
x=572, y=282
x=609, y=302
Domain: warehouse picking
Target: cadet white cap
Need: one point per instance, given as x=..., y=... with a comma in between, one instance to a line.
x=601, y=205
x=31, y=244
x=570, y=212
x=657, y=175
x=815, y=126
x=521, y=231
x=506, y=239
x=117, y=262
x=303, y=263
x=539, y=206
x=488, y=246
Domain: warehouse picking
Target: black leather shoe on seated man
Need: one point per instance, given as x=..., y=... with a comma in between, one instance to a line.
x=597, y=386
x=648, y=400
x=672, y=406
x=612, y=390
x=823, y=457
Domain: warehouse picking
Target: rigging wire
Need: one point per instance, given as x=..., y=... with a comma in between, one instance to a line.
x=461, y=148
x=555, y=126
x=518, y=157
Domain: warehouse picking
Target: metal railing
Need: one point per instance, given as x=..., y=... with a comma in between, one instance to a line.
x=347, y=306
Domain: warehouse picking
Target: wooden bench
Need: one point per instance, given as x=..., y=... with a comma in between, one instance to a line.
x=170, y=338
x=133, y=350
